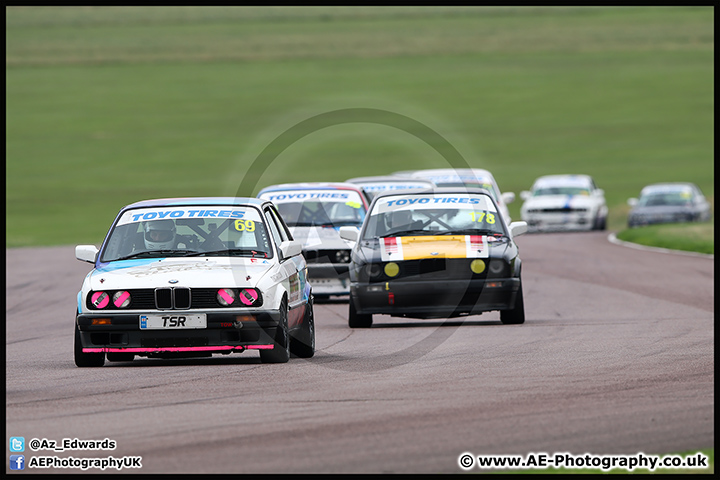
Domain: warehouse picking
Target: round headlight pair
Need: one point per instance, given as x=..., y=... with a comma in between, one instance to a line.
x=120, y=299
x=374, y=270
x=245, y=297
x=495, y=266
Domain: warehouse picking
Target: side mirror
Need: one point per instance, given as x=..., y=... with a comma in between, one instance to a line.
x=600, y=192
x=86, y=253
x=518, y=228
x=632, y=201
x=290, y=248
x=349, y=233
x=525, y=194
x=508, y=197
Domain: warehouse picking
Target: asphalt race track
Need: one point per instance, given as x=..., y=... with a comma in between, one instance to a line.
x=616, y=357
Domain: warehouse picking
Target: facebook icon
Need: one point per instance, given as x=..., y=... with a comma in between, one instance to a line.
x=17, y=462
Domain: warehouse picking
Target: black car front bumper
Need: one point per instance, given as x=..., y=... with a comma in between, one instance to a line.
x=427, y=298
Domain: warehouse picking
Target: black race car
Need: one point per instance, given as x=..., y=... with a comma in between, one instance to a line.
x=435, y=253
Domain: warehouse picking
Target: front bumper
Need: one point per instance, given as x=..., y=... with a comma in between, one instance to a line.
x=224, y=334
x=329, y=278
x=559, y=222
x=658, y=218
x=435, y=299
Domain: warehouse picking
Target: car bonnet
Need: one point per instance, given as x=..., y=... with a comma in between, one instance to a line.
x=190, y=272
x=430, y=246
x=319, y=237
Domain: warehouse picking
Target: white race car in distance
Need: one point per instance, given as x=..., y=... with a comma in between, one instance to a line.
x=669, y=202
x=564, y=203
x=465, y=177
x=315, y=211
x=376, y=185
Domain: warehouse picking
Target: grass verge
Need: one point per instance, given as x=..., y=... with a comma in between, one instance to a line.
x=690, y=237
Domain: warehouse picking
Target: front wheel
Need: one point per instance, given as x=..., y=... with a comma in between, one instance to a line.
x=516, y=315
x=280, y=352
x=357, y=320
x=303, y=343
x=86, y=359
x=601, y=223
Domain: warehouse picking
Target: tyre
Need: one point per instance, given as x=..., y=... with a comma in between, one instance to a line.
x=600, y=223
x=86, y=359
x=516, y=315
x=357, y=320
x=120, y=357
x=281, y=348
x=303, y=343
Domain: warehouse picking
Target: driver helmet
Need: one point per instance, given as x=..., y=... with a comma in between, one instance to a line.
x=160, y=235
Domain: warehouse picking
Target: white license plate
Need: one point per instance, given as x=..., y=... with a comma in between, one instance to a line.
x=172, y=321
x=327, y=281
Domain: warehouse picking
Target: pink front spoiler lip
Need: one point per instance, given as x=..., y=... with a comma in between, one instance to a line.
x=177, y=349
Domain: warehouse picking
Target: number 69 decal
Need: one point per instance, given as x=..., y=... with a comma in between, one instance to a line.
x=244, y=225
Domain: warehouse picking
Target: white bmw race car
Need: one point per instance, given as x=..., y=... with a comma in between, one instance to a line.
x=376, y=185
x=315, y=211
x=465, y=177
x=192, y=277
x=564, y=203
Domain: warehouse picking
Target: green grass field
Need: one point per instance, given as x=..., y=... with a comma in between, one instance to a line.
x=110, y=105
x=695, y=237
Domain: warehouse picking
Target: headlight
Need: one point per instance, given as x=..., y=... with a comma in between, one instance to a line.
x=121, y=299
x=392, y=269
x=100, y=299
x=249, y=297
x=373, y=270
x=498, y=267
x=226, y=297
x=342, y=256
x=477, y=266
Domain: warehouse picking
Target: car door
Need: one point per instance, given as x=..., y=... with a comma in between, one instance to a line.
x=293, y=268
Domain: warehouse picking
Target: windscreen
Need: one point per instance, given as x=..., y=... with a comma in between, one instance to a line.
x=187, y=230
x=327, y=208
x=666, y=197
x=434, y=214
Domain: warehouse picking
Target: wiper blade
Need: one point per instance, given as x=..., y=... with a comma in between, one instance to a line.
x=317, y=224
x=230, y=251
x=346, y=223
x=408, y=232
x=471, y=232
x=151, y=254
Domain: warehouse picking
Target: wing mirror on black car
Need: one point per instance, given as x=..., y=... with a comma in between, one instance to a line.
x=518, y=228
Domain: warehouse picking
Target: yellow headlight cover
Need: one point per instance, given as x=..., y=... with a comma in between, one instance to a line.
x=392, y=269
x=477, y=266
